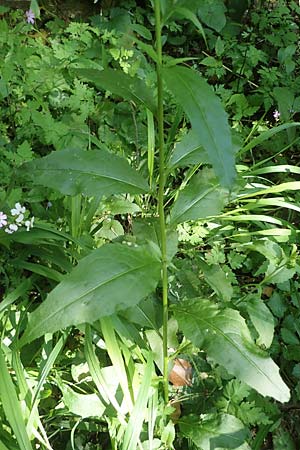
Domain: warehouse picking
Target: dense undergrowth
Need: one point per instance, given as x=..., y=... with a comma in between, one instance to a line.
x=149, y=241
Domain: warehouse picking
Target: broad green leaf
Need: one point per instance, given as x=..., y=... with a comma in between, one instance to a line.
x=201, y=198
x=83, y=405
x=121, y=84
x=93, y=173
x=12, y=407
x=212, y=13
x=207, y=117
x=224, y=336
x=111, y=278
x=262, y=319
x=188, y=151
x=214, y=431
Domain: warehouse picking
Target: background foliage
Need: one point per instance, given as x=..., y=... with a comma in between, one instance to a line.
x=81, y=314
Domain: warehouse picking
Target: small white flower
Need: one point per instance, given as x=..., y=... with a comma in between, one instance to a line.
x=29, y=223
x=20, y=218
x=18, y=210
x=11, y=228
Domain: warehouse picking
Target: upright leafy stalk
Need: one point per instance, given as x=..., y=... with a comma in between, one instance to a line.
x=160, y=121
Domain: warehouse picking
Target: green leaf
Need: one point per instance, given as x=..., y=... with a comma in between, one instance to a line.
x=207, y=117
x=212, y=13
x=186, y=13
x=224, y=335
x=201, y=198
x=112, y=278
x=188, y=151
x=12, y=407
x=217, y=279
x=121, y=84
x=137, y=415
x=92, y=173
x=214, y=431
x=267, y=135
x=83, y=405
x=262, y=319
x=282, y=440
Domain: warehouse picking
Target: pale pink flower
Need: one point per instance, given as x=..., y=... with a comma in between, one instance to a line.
x=3, y=220
x=30, y=16
x=276, y=115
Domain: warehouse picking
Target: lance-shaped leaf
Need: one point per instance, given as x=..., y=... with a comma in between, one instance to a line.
x=224, y=336
x=121, y=84
x=201, y=198
x=207, y=117
x=112, y=278
x=92, y=173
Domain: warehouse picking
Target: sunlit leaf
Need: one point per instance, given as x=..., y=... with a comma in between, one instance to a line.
x=224, y=336
x=112, y=278
x=262, y=319
x=12, y=407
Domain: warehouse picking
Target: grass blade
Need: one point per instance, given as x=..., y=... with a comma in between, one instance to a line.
x=136, y=420
x=11, y=406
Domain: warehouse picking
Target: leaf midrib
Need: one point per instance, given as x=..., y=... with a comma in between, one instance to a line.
x=89, y=174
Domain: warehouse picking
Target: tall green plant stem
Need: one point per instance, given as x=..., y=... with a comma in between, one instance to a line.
x=161, y=189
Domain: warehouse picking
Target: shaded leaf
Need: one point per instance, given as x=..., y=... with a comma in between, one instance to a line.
x=267, y=135
x=207, y=117
x=224, y=335
x=212, y=13
x=121, y=84
x=262, y=319
x=214, y=431
x=112, y=278
x=188, y=151
x=92, y=173
x=217, y=279
x=201, y=198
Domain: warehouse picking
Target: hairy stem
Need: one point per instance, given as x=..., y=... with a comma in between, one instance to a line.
x=161, y=189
